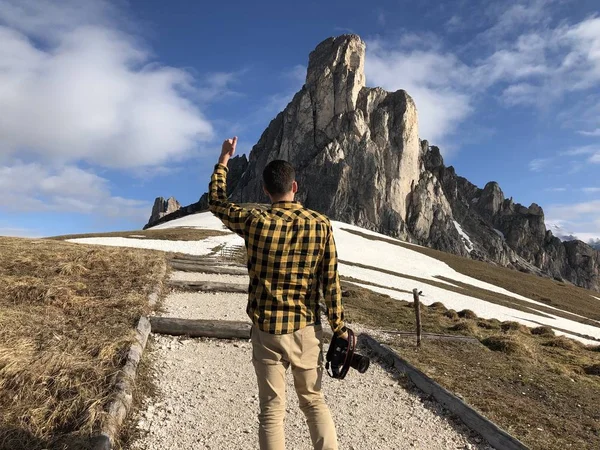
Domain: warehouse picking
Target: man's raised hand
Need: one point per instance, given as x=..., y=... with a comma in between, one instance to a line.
x=228, y=150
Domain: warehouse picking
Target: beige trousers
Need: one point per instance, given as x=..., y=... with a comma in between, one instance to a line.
x=271, y=355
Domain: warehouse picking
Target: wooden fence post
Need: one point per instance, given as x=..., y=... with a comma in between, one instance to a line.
x=418, y=315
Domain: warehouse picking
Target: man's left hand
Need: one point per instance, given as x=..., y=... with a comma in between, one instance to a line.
x=227, y=150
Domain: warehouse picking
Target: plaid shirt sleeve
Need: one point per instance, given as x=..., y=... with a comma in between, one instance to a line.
x=331, y=286
x=233, y=216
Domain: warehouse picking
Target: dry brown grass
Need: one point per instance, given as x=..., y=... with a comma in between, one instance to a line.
x=509, y=325
x=489, y=324
x=563, y=343
x=67, y=315
x=547, y=396
x=451, y=314
x=467, y=314
x=544, y=330
x=168, y=234
x=465, y=326
x=438, y=305
x=508, y=344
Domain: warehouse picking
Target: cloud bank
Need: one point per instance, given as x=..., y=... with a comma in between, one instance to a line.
x=78, y=89
x=522, y=59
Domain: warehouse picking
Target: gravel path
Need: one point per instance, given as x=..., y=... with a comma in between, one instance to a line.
x=206, y=305
x=207, y=394
x=208, y=400
x=193, y=276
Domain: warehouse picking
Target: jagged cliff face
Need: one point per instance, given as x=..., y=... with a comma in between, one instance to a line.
x=355, y=149
x=162, y=208
x=359, y=160
x=508, y=233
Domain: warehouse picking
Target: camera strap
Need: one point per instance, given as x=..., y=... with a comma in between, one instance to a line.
x=345, y=366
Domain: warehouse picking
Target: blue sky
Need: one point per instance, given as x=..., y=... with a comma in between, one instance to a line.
x=109, y=104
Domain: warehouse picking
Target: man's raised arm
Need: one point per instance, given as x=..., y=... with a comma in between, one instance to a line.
x=331, y=287
x=233, y=216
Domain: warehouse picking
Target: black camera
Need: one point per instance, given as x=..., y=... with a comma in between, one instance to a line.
x=341, y=356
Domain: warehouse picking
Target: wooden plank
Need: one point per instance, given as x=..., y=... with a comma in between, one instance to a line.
x=222, y=329
x=491, y=432
x=209, y=286
x=187, y=266
x=207, y=259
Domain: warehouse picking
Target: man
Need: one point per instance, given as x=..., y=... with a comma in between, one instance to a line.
x=291, y=256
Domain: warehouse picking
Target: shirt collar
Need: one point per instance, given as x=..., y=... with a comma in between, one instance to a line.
x=286, y=205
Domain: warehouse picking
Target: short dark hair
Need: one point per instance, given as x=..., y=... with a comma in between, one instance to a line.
x=278, y=177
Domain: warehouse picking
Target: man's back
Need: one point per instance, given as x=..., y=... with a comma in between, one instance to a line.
x=286, y=249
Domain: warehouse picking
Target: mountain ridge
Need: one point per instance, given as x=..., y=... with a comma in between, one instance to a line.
x=358, y=151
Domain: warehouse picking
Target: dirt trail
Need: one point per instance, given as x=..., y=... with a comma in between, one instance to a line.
x=207, y=395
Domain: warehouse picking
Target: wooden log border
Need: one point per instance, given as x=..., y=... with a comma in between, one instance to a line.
x=123, y=395
x=219, y=329
x=186, y=266
x=492, y=433
x=209, y=286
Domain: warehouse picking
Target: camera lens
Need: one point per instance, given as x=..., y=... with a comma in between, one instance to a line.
x=360, y=363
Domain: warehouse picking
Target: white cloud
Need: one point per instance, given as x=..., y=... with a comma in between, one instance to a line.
x=591, y=152
x=522, y=54
x=582, y=218
x=296, y=75
x=454, y=24
x=510, y=16
x=591, y=190
x=37, y=187
x=538, y=164
x=595, y=132
x=73, y=87
x=433, y=79
x=583, y=150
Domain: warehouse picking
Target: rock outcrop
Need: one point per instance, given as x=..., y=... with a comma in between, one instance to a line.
x=162, y=208
x=237, y=166
x=359, y=159
x=508, y=233
x=356, y=148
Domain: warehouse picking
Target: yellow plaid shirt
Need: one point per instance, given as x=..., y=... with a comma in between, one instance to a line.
x=291, y=257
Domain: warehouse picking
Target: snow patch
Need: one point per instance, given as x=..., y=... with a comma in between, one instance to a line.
x=488, y=310
x=465, y=237
x=198, y=248
x=500, y=233
x=204, y=221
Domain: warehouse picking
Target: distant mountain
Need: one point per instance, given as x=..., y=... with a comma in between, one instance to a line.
x=560, y=232
x=359, y=160
x=594, y=243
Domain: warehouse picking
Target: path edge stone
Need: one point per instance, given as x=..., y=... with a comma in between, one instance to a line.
x=120, y=406
x=492, y=433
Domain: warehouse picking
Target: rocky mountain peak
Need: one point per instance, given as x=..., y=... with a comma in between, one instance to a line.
x=163, y=208
x=358, y=159
x=335, y=76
